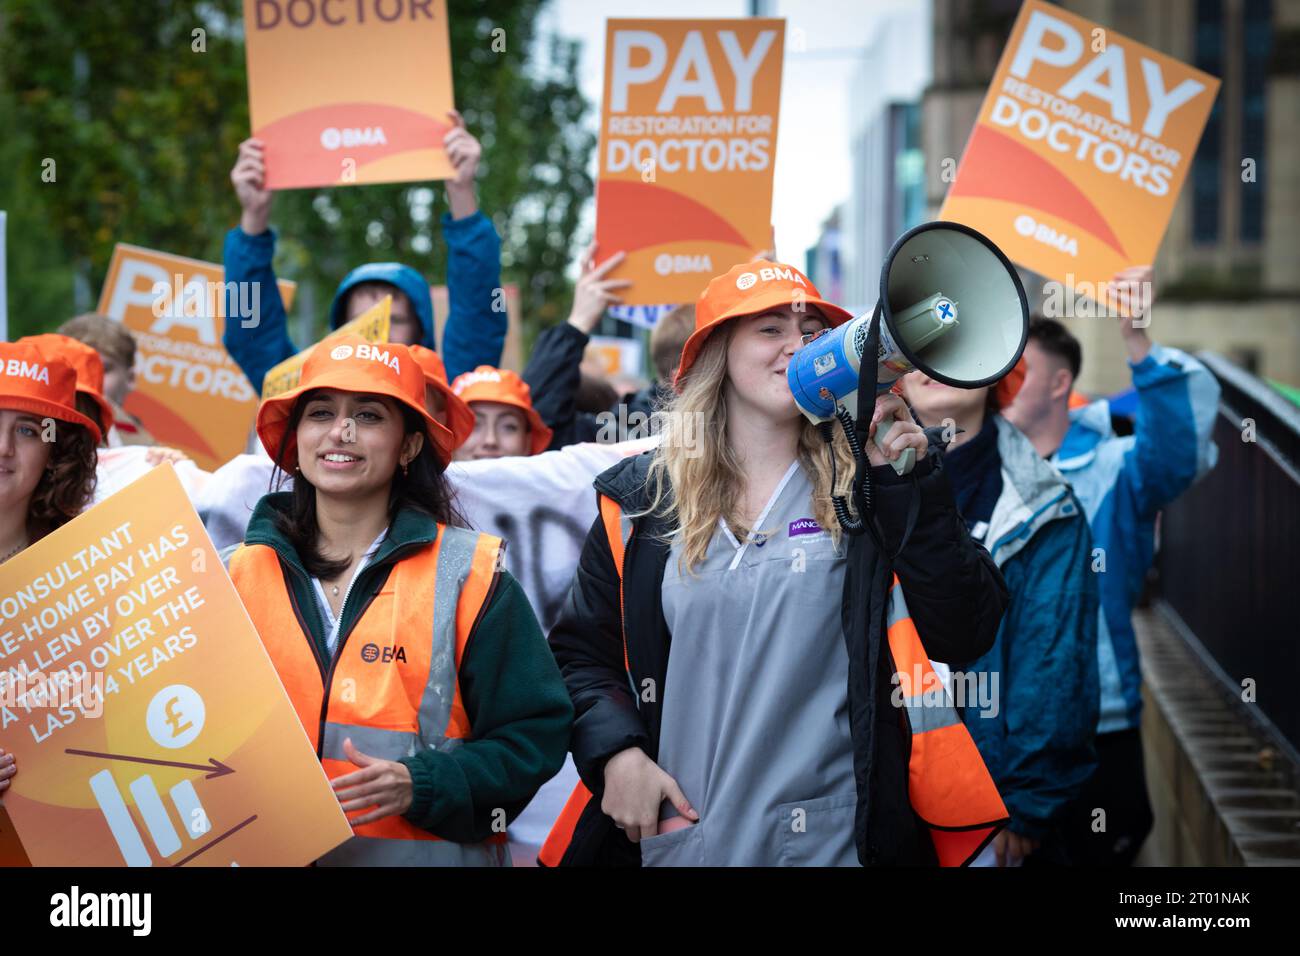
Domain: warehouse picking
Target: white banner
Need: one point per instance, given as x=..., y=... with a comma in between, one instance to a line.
x=120, y=466
x=543, y=506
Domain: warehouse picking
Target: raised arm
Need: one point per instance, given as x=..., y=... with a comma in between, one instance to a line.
x=475, y=332
x=260, y=341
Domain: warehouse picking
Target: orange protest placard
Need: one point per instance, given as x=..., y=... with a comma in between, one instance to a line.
x=349, y=92
x=189, y=393
x=616, y=355
x=148, y=724
x=372, y=325
x=1080, y=149
x=687, y=143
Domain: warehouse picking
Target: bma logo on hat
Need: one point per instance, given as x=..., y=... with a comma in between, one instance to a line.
x=769, y=274
x=341, y=352
x=17, y=368
x=473, y=378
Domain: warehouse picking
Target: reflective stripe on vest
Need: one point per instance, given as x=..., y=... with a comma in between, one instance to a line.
x=618, y=529
x=949, y=785
x=393, y=687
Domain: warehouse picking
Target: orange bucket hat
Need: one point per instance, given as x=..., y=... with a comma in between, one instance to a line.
x=1008, y=387
x=460, y=417
x=85, y=361
x=351, y=364
x=488, y=384
x=751, y=288
x=31, y=381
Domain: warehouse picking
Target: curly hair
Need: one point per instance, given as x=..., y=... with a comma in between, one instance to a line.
x=68, y=484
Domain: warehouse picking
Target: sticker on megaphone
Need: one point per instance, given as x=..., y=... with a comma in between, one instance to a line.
x=919, y=326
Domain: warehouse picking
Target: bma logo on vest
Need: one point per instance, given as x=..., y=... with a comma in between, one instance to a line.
x=385, y=655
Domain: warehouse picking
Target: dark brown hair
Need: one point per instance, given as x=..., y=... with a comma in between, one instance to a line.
x=68, y=484
x=424, y=488
x=1055, y=339
x=594, y=394
x=90, y=408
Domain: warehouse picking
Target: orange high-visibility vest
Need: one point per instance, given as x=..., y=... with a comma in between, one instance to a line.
x=949, y=786
x=392, y=685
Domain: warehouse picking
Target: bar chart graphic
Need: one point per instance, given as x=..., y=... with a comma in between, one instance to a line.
x=166, y=838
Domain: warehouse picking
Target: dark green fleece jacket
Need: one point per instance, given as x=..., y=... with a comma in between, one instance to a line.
x=514, y=696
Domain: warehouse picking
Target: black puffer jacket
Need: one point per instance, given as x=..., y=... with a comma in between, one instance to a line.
x=553, y=377
x=955, y=594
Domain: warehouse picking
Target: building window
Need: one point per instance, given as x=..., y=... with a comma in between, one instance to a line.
x=1205, y=166
x=1245, y=358
x=1258, y=31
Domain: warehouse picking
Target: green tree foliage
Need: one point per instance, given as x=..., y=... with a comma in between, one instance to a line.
x=143, y=129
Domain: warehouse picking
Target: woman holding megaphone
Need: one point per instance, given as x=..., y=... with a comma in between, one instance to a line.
x=725, y=713
x=412, y=658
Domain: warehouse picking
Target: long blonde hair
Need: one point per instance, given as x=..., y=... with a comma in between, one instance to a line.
x=695, y=475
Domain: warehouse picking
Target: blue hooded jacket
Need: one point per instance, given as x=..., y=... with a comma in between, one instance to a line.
x=1037, y=736
x=1123, y=482
x=476, y=325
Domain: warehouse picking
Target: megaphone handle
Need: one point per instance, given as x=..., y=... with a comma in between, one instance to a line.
x=904, y=463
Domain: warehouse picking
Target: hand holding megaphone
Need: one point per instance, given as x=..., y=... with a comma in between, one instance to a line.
x=896, y=438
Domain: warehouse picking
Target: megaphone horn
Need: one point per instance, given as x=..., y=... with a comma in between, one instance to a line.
x=951, y=306
x=942, y=268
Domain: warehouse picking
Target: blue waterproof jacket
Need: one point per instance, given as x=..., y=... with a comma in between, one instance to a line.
x=1123, y=482
x=1041, y=674
x=476, y=324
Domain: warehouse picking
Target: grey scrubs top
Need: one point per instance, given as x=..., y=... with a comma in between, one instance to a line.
x=755, y=705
